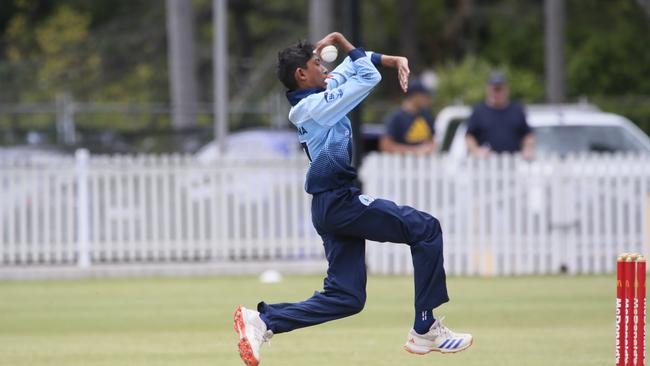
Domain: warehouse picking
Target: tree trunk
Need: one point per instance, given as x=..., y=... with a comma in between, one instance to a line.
x=182, y=71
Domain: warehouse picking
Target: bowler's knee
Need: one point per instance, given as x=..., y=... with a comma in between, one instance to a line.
x=347, y=300
x=434, y=227
x=357, y=303
x=352, y=303
x=428, y=230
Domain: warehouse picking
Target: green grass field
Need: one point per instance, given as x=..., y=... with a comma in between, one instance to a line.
x=515, y=321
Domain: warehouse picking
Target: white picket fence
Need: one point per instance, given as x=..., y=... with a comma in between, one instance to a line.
x=153, y=209
x=505, y=216
x=499, y=216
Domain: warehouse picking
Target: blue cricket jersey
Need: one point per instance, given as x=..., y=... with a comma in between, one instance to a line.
x=324, y=130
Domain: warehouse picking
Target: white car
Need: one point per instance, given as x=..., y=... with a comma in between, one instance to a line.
x=253, y=143
x=559, y=129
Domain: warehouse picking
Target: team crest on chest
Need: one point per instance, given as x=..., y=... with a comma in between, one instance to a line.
x=366, y=200
x=333, y=95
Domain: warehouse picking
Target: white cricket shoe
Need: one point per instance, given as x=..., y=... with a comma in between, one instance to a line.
x=252, y=334
x=438, y=339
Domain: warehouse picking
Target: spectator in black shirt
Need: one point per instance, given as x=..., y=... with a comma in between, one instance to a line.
x=499, y=125
x=409, y=129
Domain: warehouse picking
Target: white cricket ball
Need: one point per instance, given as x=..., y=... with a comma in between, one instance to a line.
x=329, y=53
x=271, y=276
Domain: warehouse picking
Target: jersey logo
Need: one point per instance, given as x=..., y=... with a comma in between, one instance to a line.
x=419, y=131
x=365, y=199
x=333, y=95
x=301, y=131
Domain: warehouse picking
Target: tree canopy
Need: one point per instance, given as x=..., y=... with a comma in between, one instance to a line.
x=116, y=51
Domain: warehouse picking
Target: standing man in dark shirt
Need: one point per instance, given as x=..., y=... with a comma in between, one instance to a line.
x=410, y=129
x=499, y=125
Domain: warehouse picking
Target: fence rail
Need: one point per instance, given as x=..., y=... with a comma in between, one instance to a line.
x=153, y=209
x=506, y=216
x=500, y=216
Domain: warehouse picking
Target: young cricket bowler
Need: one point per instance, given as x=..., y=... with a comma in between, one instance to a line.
x=344, y=217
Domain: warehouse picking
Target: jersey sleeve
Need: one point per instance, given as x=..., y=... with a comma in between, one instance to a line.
x=330, y=106
x=346, y=70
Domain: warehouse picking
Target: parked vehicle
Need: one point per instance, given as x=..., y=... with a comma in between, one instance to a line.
x=33, y=153
x=253, y=143
x=559, y=129
x=269, y=143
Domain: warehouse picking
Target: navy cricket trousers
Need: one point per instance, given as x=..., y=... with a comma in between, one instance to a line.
x=345, y=219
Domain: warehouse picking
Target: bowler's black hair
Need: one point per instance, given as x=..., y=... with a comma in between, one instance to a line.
x=291, y=58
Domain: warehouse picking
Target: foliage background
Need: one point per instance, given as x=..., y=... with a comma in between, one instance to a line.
x=109, y=51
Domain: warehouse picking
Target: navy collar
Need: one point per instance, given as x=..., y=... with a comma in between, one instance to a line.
x=297, y=95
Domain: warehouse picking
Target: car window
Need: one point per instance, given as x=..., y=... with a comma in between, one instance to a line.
x=450, y=133
x=575, y=139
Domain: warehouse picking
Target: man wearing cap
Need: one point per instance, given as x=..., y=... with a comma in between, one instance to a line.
x=409, y=129
x=499, y=125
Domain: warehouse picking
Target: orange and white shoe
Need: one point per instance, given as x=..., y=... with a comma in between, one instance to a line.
x=439, y=338
x=252, y=334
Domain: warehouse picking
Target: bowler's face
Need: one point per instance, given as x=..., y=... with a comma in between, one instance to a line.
x=316, y=74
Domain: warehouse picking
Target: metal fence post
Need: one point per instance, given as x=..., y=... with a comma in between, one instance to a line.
x=83, y=204
x=65, y=125
x=220, y=67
